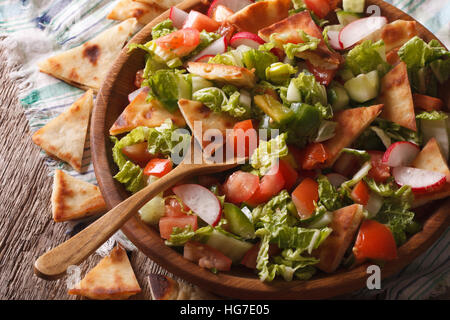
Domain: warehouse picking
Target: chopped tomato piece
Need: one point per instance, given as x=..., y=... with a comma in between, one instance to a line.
x=166, y=224
x=360, y=193
x=206, y=256
x=158, y=167
x=244, y=138
x=380, y=172
x=138, y=153
x=305, y=196
x=319, y=7
x=200, y=22
x=322, y=75
x=313, y=156
x=180, y=42
x=240, y=186
x=221, y=13
x=271, y=184
x=173, y=208
x=426, y=102
x=375, y=241
x=290, y=175
x=249, y=259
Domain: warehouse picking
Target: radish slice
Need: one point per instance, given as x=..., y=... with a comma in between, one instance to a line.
x=336, y=179
x=217, y=47
x=178, y=17
x=233, y=5
x=359, y=29
x=200, y=200
x=246, y=38
x=205, y=58
x=333, y=39
x=420, y=180
x=401, y=153
x=135, y=93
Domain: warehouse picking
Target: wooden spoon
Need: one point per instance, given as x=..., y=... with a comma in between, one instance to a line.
x=54, y=263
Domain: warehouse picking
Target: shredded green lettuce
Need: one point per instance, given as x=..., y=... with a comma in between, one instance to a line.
x=416, y=53
x=258, y=60
x=162, y=29
x=396, y=132
x=268, y=153
x=180, y=236
x=366, y=57
x=309, y=43
x=311, y=91
x=432, y=115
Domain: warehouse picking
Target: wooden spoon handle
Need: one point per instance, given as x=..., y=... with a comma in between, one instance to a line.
x=55, y=262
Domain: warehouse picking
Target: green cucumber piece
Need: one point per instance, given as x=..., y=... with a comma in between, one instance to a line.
x=346, y=17
x=153, y=210
x=364, y=87
x=184, y=87
x=337, y=96
x=238, y=222
x=273, y=108
x=356, y=6
x=233, y=248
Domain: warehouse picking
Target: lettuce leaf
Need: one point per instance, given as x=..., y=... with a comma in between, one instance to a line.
x=309, y=43
x=416, y=53
x=396, y=132
x=268, y=153
x=259, y=60
x=366, y=57
x=432, y=115
x=180, y=236
x=162, y=29
x=311, y=91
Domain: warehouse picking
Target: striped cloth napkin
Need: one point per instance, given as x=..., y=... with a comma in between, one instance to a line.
x=35, y=29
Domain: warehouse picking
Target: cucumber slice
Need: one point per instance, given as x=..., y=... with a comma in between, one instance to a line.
x=356, y=6
x=233, y=248
x=346, y=74
x=293, y=94
x=437, y=129
x=273, y=108
x=153, y=210
x=200, y=83
x=363, y=87
x=346, y=17
x=238, y=222
x=337, y=96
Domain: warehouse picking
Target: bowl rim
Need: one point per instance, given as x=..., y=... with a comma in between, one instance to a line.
x=147, y=239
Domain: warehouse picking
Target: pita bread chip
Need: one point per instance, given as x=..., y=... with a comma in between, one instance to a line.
x=431, y=158
x=345, y=224
x=395, y=94
x=74, y=199
x=111, y=279
x=289, y=28
x=421, y=199
x=261, y=14
x=142, y=113
x=65, y=135
x=195, y=111
x=143, y=12
x=394, y=34
x=86, y=66
x=165, y=288
x=350, y=124
x=166, y=4
x=237, y=76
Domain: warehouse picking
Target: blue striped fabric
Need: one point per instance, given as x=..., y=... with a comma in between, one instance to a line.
x=51, y=25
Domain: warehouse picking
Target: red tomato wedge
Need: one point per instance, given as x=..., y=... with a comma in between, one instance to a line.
x=323, y=76
x=158, y=167
x=138, y=153
x=314, y=155
x=304, y=197
x=240, y=186
x=200, y=22
x=244, y=138
x=180, y=42
x=375, y=241
x=173, y=208
x=249, y=259
x=206, y=256
x=380, y=171
x=271, y=184
x=360, y=193
x=319, y=7
x=290, y=175
x=426, y=102
x=166, y=224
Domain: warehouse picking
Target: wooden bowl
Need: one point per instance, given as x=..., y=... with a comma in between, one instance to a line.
x=240, y=282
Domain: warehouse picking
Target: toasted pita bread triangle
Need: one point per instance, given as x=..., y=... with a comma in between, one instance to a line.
x=111, y=279
x=237, y=76
x=195, y=111
x=345, y=224
x=86, y=66
x=142, y=113
x=65, y=135
x=260, y=14
x=289, y=28
x=143, y=12
x=395, y=94
x=74, y=199
x=166, y=4
x=431, y=158
x=165, y=288
x=350, y=124
x=394, y=34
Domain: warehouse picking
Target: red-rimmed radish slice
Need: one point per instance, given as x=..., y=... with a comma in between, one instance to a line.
x=336, y=179
x=401, y=153
x=205, y=58
x=217, y=47
x=333, y=39
x=233, y=5
x=178, y=17
x=203, y=202
x=359, y=29
x=246, y=38
x=420, y=180
x=135, y=93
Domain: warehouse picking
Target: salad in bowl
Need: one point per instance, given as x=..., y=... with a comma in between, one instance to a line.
x=340, y=124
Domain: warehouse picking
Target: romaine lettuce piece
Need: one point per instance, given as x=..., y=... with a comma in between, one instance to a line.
x=366, y=57
x=268, y=153
x=162, y=29
x=309, y=43
x=416, y=53
x=259, y=60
